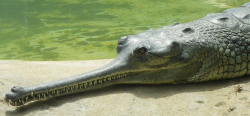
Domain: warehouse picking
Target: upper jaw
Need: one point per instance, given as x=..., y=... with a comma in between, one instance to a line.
x=33, y=93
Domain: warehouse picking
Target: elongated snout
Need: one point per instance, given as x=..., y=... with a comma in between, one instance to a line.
x=112, y=73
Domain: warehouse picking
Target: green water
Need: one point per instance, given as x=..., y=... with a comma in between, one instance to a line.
x=88, y=29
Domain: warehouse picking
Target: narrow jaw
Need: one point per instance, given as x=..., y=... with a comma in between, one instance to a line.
x=33, y=93
x=115, y=72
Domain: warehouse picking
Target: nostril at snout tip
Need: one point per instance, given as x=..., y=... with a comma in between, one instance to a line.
x=16, y=88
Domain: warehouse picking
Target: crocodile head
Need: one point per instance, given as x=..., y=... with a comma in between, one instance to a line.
x=155, y=58
x=148, y=58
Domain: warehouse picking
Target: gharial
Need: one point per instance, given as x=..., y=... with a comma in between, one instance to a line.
x=214, y=47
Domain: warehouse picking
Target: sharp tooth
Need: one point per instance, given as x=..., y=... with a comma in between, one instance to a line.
x=15, y=103
x=90, y=83
x=44, y=96
x=125, y=74
x=104, y=80
x=19, y=101
x=22, y=101
x=109, y=78
x=76, y=86
x=32, y=93
x=85, y=85
x=100, y=81
x=39, y=96
x=73, y=87
x=10, y=102
x=57, y=92
x=95, y=82
x=26, y=98
x=47, y=92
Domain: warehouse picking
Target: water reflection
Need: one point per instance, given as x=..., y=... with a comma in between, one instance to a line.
x=89, y=29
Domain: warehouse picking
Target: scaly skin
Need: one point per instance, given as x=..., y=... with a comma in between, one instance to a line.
x=214, y=47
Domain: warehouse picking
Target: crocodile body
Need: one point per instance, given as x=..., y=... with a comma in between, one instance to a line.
x=214, y=47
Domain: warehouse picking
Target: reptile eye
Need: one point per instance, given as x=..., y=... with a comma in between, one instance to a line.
x=140, y=51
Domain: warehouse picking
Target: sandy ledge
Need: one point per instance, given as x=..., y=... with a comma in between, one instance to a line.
x=200, y=99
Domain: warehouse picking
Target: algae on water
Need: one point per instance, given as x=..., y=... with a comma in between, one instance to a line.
x=89, y=29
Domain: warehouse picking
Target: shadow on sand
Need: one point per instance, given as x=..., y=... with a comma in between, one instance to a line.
x=141, y=91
